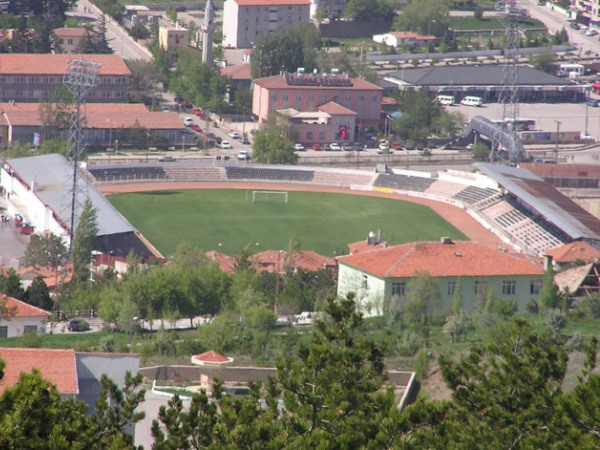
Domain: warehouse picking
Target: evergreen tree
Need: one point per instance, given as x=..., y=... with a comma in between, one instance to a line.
x=549, y=295
x=10, y=284
x=84, y=241
x=38, y=294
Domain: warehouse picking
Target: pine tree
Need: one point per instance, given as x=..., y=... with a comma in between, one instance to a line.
x=84, y=241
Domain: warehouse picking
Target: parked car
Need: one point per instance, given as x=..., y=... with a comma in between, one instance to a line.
x=383, y=147
x=217, y=139
x=188, y=121
x=593, y=103
x=234, y=135
x=591, y=32
x=335, y=147
x=225, y=145
x=315, y=147
x=245, y=141
x=196, y=127
x=197, y=112
x=409, y=145
x=78, y=325
x=299, y=148
x=185, y=104
x=211, y=135
x=243, y=155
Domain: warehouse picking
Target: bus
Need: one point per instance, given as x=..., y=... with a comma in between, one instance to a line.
x=571, y=70
x=519, y=124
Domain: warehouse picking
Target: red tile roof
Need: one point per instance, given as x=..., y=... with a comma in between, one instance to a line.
x=280, y=82
x=226, y=262
x=271, y=2
x=97, y=115
x=570, y=253
x=411, y=35
x=238, y=72
x=57, y=366
x=274, y=261
x=459, y=259
x=335, y=109
x=70, y=32
x=51, y=278
x=23, y=309
x=57, y=64
x=212, y=357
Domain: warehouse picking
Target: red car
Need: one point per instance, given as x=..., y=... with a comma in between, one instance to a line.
x=196, y=127
x=185, y=104
x=315, y=147
x=197, y=112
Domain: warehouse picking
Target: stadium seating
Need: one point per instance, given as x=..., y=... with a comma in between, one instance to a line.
x=341, y=178
x=474, y=194
x=268, y=174
x=128, y=174
x=403, y=182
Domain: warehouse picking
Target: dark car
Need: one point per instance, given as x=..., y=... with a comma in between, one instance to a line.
x=245, y=141
x=593, y=103
x=78, y=325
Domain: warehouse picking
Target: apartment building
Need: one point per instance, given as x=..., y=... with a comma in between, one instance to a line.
x=320, y=108
x=68, y=40
x=245, y=20
x=31, y=78
x=171, y=37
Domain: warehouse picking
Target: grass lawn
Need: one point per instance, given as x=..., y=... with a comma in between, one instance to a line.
x=227, y=220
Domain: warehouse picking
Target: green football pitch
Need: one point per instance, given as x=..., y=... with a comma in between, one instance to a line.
x=228, y=220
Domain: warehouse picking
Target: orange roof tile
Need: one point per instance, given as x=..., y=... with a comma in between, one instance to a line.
x=57, y=366
x=97, y=115
x=335, y=109
x=271, y=2
x=459, y=259
x=51, y=278
x=273, y=261
x=238, y=72
x=570, y=253
x=226, y=262
x=57, y=64
x=70, y=32
x=23, y=309
x=212, y=357
x=279, y=82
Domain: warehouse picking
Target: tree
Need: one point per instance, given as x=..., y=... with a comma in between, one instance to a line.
x=139, y=31
x=549, y=295
x=10, y=284
x=84, y=241
x=272, y=145
x=369, y=9
x=424, y=17
x=419, y=113
x=46, y=250
x=544, y=61
x=38, y=294
x=481, y=152
x=145, y=78
x=422, y=297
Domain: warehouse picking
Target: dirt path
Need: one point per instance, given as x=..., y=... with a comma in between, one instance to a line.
x=452, y=214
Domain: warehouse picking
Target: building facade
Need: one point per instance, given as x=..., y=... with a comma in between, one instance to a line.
x=245, y=20
x=68, y=40
x=381, y=273
x=26, y=318
x=30, y=78
x=328, y=8
x=172, y=37
x=320, y=107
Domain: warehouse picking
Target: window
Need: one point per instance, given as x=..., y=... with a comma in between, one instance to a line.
x=29, y=329
x=509, y=287
x=70, y=41
x=399, y=288
x=3, y=331
x=311, y=97
x=309, y=135
x=284, y=97
x=480, y=287
x=365, y=282
x=298, y=97
x=451, y=287
x=321, y=135
x=535, y=287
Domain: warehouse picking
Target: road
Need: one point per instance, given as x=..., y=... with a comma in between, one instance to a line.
x=118, y=39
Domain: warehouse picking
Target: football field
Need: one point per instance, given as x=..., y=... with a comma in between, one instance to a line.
x=228, y=220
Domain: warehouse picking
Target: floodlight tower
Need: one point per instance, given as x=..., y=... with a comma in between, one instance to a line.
x=510, y=13
x=79, y=79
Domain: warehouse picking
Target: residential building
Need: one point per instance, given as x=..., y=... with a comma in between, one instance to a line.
x=208, y=29
x=172, y=37
x=321, y=107
x=105, y=124
x=379, y=272
x=29, y=78
x=279, y=261
x=403, y=39
x=574, y=253
x=68, y=40
x=579, y=281
x=76, y=375
x=587, y=11
x=19, y=318
x=245, y=20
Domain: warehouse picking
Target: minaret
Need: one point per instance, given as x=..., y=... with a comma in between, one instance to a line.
x=207, y=32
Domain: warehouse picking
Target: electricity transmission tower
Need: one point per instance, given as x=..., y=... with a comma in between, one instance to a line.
x=79, y=79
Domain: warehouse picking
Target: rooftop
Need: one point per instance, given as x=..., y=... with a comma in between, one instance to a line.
x=57, y=366
x=70, y=32
x=237, y=72
x=275, y=261
x=57, y=64
x=271, y=2
x=22, y=309
x=457, y=259
x=315, y=81
x=335, y=109
x=573, y=252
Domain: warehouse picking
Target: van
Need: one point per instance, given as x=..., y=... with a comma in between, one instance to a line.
x=445, y=100
x=470, y=100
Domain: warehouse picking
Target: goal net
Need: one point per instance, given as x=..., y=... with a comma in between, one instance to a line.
x=269, y=196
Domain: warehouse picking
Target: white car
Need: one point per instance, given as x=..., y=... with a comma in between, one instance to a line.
x=234, y=135
x=335, y=147
x=591, y=32
x=225, y=145
x=188, y=121
x=298, y=147
x=243, y=155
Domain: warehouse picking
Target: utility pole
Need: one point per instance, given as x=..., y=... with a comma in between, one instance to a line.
x=556, y=146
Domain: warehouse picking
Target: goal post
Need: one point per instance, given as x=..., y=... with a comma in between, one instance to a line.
x=266, y=195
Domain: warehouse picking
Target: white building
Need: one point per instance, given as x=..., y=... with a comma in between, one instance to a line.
x=245, y=20
x=22, y=318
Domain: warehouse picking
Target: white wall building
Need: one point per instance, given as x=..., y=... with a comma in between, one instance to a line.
x=22, y=318
x=245, y=20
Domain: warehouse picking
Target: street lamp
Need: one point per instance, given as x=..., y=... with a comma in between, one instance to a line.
x=556, y=148
x=587, y=89
x=132, y=321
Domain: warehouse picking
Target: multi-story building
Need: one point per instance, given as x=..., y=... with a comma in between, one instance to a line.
x=171, y=37
x=30, y=78
x=68, y=40
x=320, y=108
x=245, y=20
x=588, y=10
